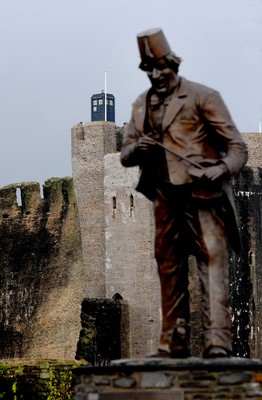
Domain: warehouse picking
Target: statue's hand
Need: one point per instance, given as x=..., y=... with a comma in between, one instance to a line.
x=144, y=142
x=215, y=172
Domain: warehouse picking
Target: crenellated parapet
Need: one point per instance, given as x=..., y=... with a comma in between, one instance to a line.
x=24, y=199
x=30, y=197
x=8, y=201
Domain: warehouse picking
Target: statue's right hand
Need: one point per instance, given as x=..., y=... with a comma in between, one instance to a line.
x=144, y=142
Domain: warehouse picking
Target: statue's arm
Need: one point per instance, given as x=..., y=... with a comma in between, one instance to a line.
x=129, y=151
x=219, y=119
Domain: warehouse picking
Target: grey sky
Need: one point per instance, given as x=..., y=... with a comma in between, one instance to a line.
x=54, y=54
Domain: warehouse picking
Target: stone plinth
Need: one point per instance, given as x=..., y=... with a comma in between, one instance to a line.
x=166, y=379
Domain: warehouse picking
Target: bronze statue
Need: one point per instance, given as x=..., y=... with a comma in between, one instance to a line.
x=188, y=148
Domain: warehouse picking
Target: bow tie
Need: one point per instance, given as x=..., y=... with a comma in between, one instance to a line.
x=156, y=102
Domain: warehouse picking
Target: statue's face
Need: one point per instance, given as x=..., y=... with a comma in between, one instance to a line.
x=162, y=77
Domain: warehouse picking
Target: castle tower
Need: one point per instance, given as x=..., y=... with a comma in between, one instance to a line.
x=117, y=232
x=98, y=107
x=90, y=142
x=131, y=269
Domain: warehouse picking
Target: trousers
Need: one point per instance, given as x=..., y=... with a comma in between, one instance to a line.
x=186, y=225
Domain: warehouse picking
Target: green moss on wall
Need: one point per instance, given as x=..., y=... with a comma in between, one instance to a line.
x=99, y=340
x=39, y=380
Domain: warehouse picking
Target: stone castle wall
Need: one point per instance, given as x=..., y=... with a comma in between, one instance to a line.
x=41, y=279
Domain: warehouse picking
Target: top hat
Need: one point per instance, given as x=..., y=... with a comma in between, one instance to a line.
x=152, y=43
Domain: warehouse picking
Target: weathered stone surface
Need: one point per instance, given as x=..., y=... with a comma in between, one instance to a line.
x=253, y=142
x=181, y=379
x=101, y=380
x=124, y=382
x=192, y=364
x=81, y=396
x=131, y=268
x=41, y=271
x=221, y=389
x=234, y=379
x=85, y=388
x=36, y=380
x=196, y=384
x=253, y=389
x=100, y=338
x=156, y=380
x=86, y=379
x=90, y=142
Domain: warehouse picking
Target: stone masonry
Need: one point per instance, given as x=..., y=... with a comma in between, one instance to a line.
x=170, y=379
x=130, y=264
x=90, y=142
x=41, y=275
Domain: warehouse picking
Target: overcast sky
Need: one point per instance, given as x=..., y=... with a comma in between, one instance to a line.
x=54, y=54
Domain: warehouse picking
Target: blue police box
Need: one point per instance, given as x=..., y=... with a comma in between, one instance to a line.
x=98, y=107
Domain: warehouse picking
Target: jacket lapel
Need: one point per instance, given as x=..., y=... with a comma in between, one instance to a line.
x=176, y=103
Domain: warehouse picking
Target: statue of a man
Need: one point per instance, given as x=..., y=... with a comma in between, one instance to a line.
x=188, y=148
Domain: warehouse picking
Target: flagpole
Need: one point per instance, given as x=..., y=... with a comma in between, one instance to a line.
x=105, y=96
x=260, y=121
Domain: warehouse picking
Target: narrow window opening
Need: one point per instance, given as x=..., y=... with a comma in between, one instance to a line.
x=131, y=204
x=251, y=261
x=18, y=197
x=250, y=256
x=114, y=205
x=117, y=297
x=42, y=191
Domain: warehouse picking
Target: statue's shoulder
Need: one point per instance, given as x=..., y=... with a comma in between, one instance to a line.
x=141, y=99
x=195, y=87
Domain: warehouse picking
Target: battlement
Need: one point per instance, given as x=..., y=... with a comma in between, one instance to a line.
x=25, y=198
x=106, y=133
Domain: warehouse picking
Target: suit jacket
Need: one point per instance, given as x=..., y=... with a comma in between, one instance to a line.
x=196, y=125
